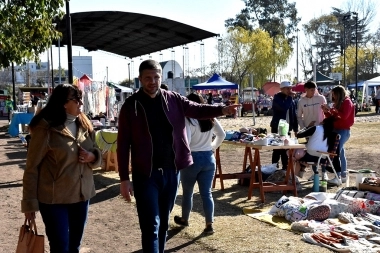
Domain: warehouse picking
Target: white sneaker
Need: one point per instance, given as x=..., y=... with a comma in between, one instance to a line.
x=334, y=181
x=325, y=177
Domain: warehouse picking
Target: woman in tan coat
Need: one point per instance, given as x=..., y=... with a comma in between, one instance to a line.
x=58, y=179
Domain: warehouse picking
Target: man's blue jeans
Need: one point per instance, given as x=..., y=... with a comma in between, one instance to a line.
x=64, y=225
x=202, y=171
x=155, y=197
x=344, y=136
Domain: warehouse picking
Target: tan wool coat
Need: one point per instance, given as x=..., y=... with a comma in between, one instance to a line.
x=53, y=174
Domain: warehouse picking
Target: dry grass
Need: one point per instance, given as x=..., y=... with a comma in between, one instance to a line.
x=236, y=232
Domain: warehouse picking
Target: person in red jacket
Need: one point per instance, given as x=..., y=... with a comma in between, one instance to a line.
x=344, y=111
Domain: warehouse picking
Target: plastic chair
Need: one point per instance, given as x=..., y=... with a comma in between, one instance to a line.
x=326, y=159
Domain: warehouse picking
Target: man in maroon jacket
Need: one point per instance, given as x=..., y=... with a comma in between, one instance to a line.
x=152, y=135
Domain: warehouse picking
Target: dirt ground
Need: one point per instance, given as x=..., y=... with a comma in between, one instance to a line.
x=113, y=223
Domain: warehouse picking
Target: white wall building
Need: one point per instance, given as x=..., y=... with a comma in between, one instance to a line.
x=171, y=70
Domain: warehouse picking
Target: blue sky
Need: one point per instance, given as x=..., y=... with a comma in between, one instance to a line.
x=205, y=14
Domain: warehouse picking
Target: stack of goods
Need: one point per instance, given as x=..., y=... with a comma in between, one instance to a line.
x=370, y=184
x=258, y=136
x=347, y=221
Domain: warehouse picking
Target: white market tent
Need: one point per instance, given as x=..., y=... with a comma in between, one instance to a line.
x=371, y=82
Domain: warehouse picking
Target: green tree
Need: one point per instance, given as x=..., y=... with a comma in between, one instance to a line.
x=321, y=35
x=277, y=17
x=366, y=58
x=251, y=52
x=329, y=35
x=27, y=29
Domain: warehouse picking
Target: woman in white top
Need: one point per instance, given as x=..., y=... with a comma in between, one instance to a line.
x=200, y=138
x=318, y=141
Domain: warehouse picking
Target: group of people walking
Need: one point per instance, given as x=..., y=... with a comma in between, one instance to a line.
x=167, y=138
x=161, y=134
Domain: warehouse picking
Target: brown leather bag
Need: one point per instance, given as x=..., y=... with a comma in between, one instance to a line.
x=29, y=240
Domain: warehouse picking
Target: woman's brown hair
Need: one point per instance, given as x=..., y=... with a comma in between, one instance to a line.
x=340, y=94
x=54, y=112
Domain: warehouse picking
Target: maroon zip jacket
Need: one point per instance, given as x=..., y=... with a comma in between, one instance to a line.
x=135, y=142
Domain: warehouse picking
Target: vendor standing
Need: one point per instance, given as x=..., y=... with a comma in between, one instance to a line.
x=9, y=107
x=283, y=108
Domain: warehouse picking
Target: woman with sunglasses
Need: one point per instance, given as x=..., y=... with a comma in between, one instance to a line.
x=58, y=179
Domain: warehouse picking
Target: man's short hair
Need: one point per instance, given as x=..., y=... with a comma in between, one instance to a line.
x=151, y=65
x=310, y=85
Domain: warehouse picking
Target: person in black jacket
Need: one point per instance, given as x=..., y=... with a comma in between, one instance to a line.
x=283, y=108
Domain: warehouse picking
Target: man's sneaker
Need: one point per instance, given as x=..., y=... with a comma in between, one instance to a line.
x=325, y=177
x=311, y=178
x=209, y=229
x=344, y=179
x=335, y=181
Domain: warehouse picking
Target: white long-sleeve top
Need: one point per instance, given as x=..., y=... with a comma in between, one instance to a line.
x=309, y=109
x=316, y=142
x=199, y=141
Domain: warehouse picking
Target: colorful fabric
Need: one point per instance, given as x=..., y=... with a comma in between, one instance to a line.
x=319, y=212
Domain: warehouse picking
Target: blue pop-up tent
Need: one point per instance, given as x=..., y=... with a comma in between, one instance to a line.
x=216, y=82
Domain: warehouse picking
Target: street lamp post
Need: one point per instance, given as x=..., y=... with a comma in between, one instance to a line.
x=69, y=43
x=345, y=19
x=356, y=53
x=129, y=75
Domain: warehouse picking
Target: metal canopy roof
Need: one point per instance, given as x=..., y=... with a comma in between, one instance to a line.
x=128, y=34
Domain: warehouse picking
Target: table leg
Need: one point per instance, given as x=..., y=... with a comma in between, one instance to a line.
x=247, y=152
x=111, y=161
x=256, y=162
x=290, y=171
x=218, y=171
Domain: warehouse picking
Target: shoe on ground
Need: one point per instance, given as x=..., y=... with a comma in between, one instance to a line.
x=335, y=181
x=325, y=177
x=178, y=220
x=344, y=179
x=209, y=229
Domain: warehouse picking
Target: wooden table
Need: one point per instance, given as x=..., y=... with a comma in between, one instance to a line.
x=255, y=161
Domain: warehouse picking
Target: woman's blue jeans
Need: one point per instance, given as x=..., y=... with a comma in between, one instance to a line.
x=202, y=172
x=155, y=197
x=344, y=136
x=64, y=225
